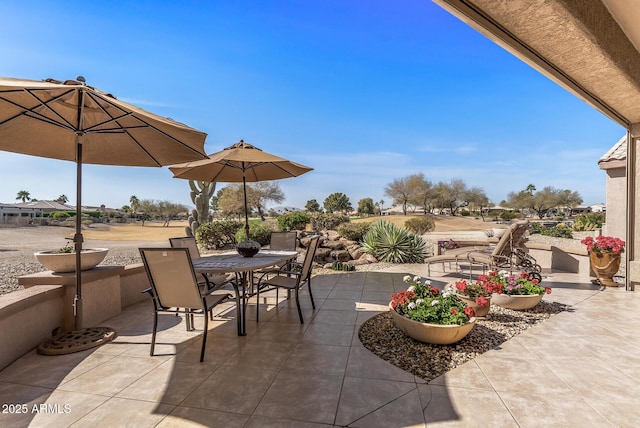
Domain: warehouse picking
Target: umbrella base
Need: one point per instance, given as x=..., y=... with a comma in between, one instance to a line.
x=76, y=341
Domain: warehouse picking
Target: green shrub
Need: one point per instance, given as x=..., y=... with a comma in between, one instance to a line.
x=60, y=215
x=328, y=221
x=354, y=231
x=391, y=243
x=217, y=234
x=508, y=215
x=465, y=213
x=420, y=225
x=296, y=220
x=559, y=231
x=346, y=267
x=589, y=221
x=259, y=232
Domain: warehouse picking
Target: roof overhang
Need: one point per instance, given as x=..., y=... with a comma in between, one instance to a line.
x=588, y=47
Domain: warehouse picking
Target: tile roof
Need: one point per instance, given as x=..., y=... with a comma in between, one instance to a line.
x=617, y=152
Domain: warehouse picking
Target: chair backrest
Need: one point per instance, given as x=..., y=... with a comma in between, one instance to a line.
x=172, y=277
x=307, y=264
x=504, y=247
x=186, y=242
x=284, y=241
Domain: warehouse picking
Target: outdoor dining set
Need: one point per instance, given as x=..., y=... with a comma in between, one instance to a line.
x=184, y=281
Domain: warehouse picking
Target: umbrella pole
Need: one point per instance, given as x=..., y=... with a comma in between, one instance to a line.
x=246, y=208
x=77, y=238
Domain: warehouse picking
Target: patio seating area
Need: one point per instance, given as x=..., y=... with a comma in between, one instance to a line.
x=318, y=374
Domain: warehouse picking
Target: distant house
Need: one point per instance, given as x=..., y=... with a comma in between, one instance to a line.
x=46, y=206
x=18, y=215
x=614, y=163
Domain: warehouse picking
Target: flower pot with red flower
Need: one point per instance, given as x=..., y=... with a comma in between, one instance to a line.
x=605, y=254
x=519, y=291
x=425, y=314
x=477, y=294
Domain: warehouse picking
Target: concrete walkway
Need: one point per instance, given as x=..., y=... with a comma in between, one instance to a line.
x=579, y=368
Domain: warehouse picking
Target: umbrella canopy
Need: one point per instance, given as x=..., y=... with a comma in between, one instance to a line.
x=240, y=163
x=73, y=121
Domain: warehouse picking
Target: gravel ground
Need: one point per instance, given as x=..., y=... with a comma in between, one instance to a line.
x=381, y=336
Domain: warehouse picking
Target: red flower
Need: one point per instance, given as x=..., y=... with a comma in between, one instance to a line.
x=461, y=285
x=481, y=301
x=454, y=311
x=470, y=312
x=547, y=290
x=435, y=291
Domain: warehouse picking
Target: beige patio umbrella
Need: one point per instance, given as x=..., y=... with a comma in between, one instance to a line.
x=240, y=163
x=73, y=121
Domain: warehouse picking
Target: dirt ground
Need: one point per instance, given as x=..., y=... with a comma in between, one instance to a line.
x=131, y=235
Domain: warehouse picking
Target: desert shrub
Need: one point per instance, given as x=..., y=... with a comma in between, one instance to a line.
x=354, y=231
x=396, y=244
x=420, y=225
x=508, y=215
x=217, y=234
x=465, y=213
x=60, y=215
x=589, y=221
x=296, y=220
x=327, y=221
x=258, y=232
x=559, y=231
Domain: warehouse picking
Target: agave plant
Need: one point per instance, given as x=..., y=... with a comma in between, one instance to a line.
x=392, y=243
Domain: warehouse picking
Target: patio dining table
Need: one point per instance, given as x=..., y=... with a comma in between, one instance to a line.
x=242, y=267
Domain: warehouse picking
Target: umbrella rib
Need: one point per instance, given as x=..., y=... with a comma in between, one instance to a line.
x=28, y=112
x=146, y=124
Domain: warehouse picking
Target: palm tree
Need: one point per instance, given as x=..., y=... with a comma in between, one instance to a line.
x=24, y=196
x=63, y=199
x=134, y=202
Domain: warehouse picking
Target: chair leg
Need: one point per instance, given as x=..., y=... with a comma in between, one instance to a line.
x=153, y=335
x=204, y=337
x=298, y=305
x=257, y=302
x=313, y=304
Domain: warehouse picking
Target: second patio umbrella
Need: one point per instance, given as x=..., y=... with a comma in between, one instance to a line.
x=73, y=121
x=240, y=163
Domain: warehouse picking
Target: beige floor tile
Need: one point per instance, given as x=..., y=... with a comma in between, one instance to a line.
x=467, y=375
x=261, y=354
x=338, y=293
x=18, y=401
x=281, y=332
x=464, y=407
x=289, y=315
x=169, y=383
x=232, y=389
x=302, y=397
x=217, y=351
x=363, y=364
x=50, y=371
x=113, y=376
x=64, y=408
x=402, y=412
x=318, y=359
x=330, y=316
x=328, y=334
x=118, y=412
x=570, y=411
x=189, y=417
x=264, y=422
x=340, y=304
x=355, y=405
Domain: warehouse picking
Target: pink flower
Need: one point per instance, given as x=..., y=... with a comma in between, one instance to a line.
x=481, y=301
x=470, y=312
x=453, y=311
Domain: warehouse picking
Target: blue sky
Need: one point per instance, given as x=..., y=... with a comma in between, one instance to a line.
x=364, y=92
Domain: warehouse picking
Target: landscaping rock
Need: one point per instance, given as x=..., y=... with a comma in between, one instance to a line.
x=341, y=255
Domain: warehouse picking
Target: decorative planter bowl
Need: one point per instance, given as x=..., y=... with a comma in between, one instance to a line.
x=436, y=334
x=481, y=311
x=248, y=248
x=66, y=262
x=516, y=302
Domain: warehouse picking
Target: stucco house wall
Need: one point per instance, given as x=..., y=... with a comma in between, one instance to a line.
x=614, y=165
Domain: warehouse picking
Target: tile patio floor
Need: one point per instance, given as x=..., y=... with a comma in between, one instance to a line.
x=579, y=368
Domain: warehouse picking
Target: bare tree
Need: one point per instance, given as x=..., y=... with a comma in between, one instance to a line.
x=404, y=190
x=258, y=194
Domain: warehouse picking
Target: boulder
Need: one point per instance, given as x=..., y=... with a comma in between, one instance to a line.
x=341, y=255
x=369, y=258
x=323, y=253
x=348, y=243
x=355, y=252
x=358, y=262
x=332, y=235
x=334, y=245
